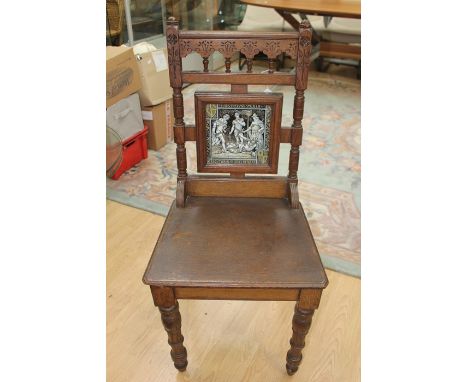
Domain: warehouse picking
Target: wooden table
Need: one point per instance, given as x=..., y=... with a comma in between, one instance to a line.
x=337, y=8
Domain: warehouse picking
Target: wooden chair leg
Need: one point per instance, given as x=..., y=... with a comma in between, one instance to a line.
x=167, y=304
x=301, y=323
x=170, y=317
x=309, y=300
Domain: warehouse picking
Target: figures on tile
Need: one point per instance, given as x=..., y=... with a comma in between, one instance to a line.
x=219, y=128
x=256, y=129
x=241, y=134
x=237, y=129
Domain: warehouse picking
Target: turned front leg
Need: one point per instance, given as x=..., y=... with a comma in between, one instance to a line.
x=303, y=311
x=170, y=317
x=165, y=300
x=301, y=323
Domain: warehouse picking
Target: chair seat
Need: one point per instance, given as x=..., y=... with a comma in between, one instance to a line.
x=236, y=243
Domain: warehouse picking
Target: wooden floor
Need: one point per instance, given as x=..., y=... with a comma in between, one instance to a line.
x=225, y=340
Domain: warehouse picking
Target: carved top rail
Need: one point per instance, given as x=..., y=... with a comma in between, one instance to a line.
x=227, y=43
x=224, y=35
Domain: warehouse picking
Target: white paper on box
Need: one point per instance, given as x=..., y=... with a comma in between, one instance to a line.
x=159, y=59
x=147, y=115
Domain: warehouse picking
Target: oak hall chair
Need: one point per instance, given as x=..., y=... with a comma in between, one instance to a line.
x=232, y=236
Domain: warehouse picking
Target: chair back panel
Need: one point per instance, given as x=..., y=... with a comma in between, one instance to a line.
x=272, y=44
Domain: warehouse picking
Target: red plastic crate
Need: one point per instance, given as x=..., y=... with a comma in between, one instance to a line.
x=134, y=150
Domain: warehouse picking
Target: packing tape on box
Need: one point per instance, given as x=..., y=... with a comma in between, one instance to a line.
x=147, y=115
x=143, y=47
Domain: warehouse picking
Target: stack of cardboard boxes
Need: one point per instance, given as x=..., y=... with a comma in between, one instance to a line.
x=138, y=101
x=155, y=94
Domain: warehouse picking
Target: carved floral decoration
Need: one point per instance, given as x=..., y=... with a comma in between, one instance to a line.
x=250, y=48
x=205, y=48
x=227, y=48
x=272, y=49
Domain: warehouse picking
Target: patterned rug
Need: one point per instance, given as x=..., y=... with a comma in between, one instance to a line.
x=329, y=168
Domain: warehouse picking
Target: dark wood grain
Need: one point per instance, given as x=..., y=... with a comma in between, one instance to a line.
x=235, y=88
x=233, y=35
x=238, y=78
x=249, y=187
x=168, y=306
x=302, y=320
x=236, y=236
x=173, y=53
x=163, y=296
x=309, y=298
x=308, y=301
x=255, y=294
x=236, y=242
x=304, y=50
x=172, y=322
x=190, y=133
x=302, y=72
x=175, y=77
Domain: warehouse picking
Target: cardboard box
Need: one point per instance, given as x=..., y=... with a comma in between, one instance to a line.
x=124, y=117
x=122, y=76
x=154, y=74
x=160, y=120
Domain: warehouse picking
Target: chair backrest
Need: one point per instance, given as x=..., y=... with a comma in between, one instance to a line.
x=251, y=120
